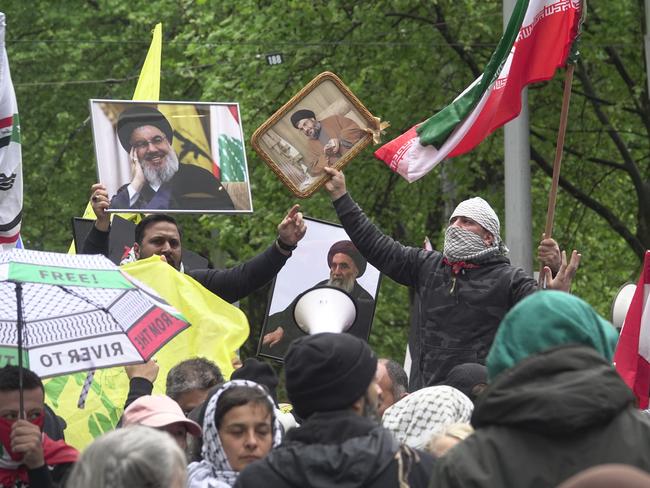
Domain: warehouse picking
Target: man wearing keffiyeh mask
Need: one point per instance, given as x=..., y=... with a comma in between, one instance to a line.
x=461, y=293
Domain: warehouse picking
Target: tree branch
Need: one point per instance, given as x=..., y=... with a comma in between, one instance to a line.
x=578, y=154
x=441, y=26
x=628, y=161
x=613, y=221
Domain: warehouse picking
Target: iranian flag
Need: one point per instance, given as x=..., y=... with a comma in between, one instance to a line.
x=11, y=170
x=632, y=356
x=537, y=40
x=227, y=143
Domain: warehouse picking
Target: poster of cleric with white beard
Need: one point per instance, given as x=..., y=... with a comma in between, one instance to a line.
x=164, y=157
x=325, y=257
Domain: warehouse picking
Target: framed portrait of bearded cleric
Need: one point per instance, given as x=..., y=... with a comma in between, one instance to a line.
x=324, y=124
x=325, y=257
x=183, y=157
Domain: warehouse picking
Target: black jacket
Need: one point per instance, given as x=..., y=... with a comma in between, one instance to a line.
x=553, y=415
x=191, y=188
x=337, y=449
x=230, y=284
x=455, y=316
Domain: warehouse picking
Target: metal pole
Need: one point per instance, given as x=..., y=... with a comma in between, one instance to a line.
x=19, y=330
x=517, y=179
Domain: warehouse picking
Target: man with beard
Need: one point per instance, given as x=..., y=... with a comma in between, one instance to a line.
x=330, y=381
x=463, y=292
x=328, y=139
x=158, y=180
x=346, y=264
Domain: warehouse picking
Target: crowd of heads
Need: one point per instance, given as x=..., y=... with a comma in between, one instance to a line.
x=238, y=421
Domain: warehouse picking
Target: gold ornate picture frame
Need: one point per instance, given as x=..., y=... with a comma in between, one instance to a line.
x=324, y=124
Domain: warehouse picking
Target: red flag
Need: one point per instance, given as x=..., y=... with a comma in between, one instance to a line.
x=632, y=356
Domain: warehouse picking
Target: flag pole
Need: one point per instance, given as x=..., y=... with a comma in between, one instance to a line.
x=557, y=163
x=19, y=332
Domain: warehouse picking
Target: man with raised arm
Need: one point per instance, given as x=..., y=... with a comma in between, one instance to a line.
x=463, y=291
x=160, y=234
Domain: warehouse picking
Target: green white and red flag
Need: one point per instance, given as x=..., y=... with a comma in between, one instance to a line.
x=632, y=356
x=538, y=40
x=11, y=169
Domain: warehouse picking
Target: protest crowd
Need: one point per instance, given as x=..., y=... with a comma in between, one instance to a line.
x=511, y=381
x=511, y=385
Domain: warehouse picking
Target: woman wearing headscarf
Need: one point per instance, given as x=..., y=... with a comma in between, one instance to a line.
x=239, y=427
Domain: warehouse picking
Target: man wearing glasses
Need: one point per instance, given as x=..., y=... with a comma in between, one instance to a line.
x=158, y=180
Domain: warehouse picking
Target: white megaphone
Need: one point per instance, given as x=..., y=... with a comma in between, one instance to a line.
x=324, y=309
x=621, y=303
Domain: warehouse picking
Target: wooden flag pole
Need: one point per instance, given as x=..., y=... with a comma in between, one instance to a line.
x=557, y=163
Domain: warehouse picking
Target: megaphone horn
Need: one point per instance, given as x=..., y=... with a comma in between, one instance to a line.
x=621, y=303
x=325, y=309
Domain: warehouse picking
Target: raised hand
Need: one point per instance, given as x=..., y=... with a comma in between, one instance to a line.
x=100, y=203
x=565, y=274
x=148, y=370
x=292, y=228
x=335, y=186
x=548, y=253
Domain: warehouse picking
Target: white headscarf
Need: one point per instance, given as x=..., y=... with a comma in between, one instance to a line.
x=214, y=471
x=464, y=245
x=419, y=415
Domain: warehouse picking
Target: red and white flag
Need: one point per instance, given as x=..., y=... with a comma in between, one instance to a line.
x=537, y=41
x=11, y=169
x=632, y=356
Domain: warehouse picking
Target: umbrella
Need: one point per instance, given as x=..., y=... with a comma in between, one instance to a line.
x=63, y=313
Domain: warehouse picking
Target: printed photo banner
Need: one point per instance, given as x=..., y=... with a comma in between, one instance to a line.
x=166, y=156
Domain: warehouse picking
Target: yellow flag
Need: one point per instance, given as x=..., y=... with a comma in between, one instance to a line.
x=218, y=329
x=148, y=88
x=190, y=140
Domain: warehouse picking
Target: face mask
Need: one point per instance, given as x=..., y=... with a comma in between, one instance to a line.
x=5, y=435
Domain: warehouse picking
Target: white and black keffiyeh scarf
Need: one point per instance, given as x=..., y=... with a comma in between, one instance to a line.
x=214, y=471
x=464, y=245
x=418, y=416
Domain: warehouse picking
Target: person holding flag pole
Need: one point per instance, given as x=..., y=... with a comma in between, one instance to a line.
x=464, y=291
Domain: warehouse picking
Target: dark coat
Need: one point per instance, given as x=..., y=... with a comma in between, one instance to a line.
x=553, y=415
x=230, y=284
x=337, y=449
x=191, y=188
x=455, y=316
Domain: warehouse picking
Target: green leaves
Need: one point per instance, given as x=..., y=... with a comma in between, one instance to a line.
x=404, y=59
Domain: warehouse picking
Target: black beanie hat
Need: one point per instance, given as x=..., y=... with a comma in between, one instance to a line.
x=259, y=372
x=466, y=376
x=138, y=116
x=346, y=247
x=298, y=115
x=327, y=372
